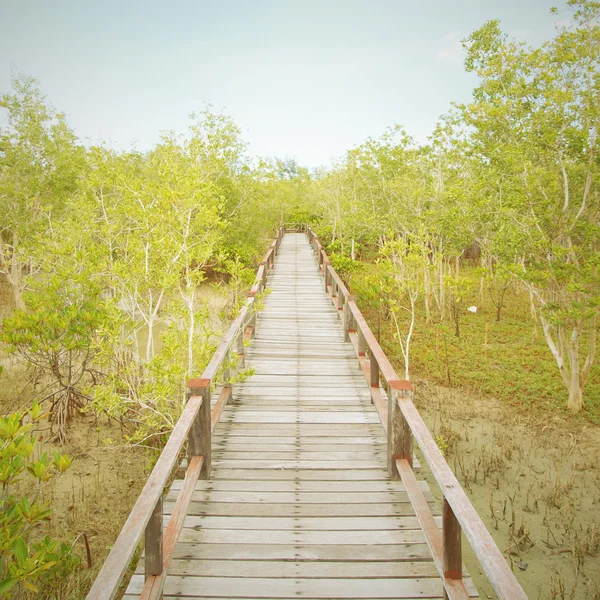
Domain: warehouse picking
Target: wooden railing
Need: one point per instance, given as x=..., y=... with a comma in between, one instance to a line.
x=195, y=426
x=393, y=399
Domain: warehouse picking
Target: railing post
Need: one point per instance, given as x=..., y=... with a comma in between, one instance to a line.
x=399, y=443
x=340, y=299
x=227, y=377
x=153, y=542
x=199, y=437
x=362, y=346
x=252, y=321
x=326, y=274
x=451, y=537
x=348, y=318
x=264, y=278
x=374, y=370
x=241, y=348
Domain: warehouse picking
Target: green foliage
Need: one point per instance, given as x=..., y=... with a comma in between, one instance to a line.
x=60, y=333
x=458, y=287
x=31, y=562
x=344, y=265
x=506, y=359
x=40, y=167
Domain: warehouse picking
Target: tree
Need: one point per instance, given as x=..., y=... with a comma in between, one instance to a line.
x=59, y=333
x=534, y=120
x=40, y=167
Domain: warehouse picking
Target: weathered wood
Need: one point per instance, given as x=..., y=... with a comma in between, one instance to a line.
x=224, y=398
x=107, y=582
x=292, y=570
x=199, y=439
x=232, y=587
x=153, y=587
x=489, y=556
x=153, y=542
x=399, y=434
x=451, y=537
x=453, y=589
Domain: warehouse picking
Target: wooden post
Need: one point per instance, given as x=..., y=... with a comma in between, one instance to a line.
x=326, y=273
x=199, y=437
x=362, y=346
x=374, y=370
x=226, y=370
x=241, y=349
x=264, y=279
x=451, y=537
x=347, y=318
x=399, y=443
x=252, y=319
x=227, y=377
x=340, y=299
x=153, y=542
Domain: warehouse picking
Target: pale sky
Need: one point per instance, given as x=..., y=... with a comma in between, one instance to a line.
x=306, y=79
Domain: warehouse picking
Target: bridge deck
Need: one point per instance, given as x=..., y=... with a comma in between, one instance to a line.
x=299, y=504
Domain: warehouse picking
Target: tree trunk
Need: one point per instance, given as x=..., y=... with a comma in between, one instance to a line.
x=14, y=277
x=15, y=286
x=192, y=326
x=575, y=403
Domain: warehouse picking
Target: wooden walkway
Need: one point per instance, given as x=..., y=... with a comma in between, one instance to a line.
x=299, y=503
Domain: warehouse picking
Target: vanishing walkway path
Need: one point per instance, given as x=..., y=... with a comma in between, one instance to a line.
x=299, y=503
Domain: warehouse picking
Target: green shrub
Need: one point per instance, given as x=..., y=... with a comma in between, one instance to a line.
x=30, y=561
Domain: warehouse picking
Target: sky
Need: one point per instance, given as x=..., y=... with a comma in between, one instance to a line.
x=304, y=79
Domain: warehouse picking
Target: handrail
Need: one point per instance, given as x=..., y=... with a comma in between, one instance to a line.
x=402, y=422
x=194, y=425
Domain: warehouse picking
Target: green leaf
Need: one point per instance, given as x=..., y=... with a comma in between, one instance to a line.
x=20, y=550
x=7, y=585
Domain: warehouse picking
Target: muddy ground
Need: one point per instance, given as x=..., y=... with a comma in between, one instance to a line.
x=534, y=482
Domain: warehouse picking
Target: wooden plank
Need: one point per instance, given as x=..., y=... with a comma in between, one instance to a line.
x=300, y=551
x=311, y=569
x=301, y=464
x=295, y=523
x=228, y=587
x=303, y=474
x=269, y=509
x=296, y=497
x=254, y=536
x=244, y=485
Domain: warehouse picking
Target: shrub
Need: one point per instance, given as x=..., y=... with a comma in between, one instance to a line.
x=30, y=562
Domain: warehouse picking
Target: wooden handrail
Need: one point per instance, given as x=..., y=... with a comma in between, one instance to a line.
x=402, y=422
x=194, y=425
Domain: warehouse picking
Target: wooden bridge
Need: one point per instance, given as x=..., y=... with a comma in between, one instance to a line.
x=300, y=481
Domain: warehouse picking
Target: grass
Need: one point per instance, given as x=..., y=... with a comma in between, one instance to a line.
x=508, y=359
